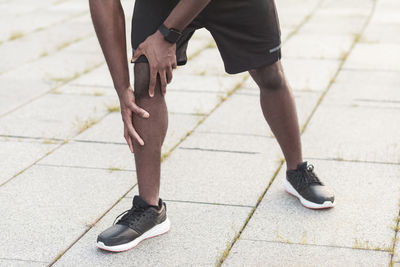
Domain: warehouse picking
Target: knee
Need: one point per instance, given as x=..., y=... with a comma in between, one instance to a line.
x=141, y=79
x=269, y=77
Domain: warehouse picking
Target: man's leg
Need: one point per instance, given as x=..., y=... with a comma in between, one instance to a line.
x=279, y=110
x=152, y=131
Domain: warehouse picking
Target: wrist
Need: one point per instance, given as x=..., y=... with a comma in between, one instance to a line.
x=122, y=91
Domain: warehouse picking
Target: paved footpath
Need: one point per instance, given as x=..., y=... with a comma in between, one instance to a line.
x=66, y=171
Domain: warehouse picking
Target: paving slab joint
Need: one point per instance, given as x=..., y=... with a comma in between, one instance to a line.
x=357, y=38
x=229, y=246
x=396, y=228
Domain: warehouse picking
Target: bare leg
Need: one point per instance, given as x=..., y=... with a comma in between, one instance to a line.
x=152, y=131
x=279, y=110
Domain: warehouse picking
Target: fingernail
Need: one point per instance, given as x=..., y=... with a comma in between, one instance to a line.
x=146, y=115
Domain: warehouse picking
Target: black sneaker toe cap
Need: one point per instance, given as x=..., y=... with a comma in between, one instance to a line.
x=116, y=235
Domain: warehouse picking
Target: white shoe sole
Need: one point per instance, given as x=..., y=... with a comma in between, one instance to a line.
x=306, y=203
x=157, y=230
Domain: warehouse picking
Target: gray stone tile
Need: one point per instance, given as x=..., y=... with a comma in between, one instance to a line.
x=317, y=46
x=99, y=77
x=357, y=221
x=191, y=102
x=358, y=88
x=16, y=262
x=216, y=177
x=198, y=83
x=242, y=114
x=309, y=74
x=323, y=22
x=54, y=116
x=44, y=42
x=110, y=129
x=46, y=209
x=353, y=133
x=92, y=155
x=190, y=241
x=261, y=253
x=16, y=91
x=367, y=56
x=18, y=154
x=200, y=65
x=236, y=143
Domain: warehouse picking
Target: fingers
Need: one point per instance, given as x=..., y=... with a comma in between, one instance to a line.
x=137, y=54
x=133, y=134
x=169, y=74
x=139, y=111
x=163, y=81
x=128, y=139
x=128, y=125
x=153, y=80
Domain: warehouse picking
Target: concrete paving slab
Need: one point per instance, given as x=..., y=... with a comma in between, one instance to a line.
x=236, y=143
x=190, y=241
x=189, y=102
x=242, y=114
x=367, y=56
x=262, y=253
x=98, y=77
x=17, y=154
x=43, y=43
x=326, y=23
x=200, y=65
x=318, y=46
x=309, y=74
x=216, y=177
x=16, y=91
x=354, y=88
x=54, y=116
x=50, y=207
x=199, y=83
x=92, y=155
x=355, y=222
x=15, y=263
x=353, y=133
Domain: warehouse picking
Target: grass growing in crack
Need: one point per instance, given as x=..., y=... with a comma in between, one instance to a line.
x=113, y=169
x=113, y=108
x=98, y=93
x=44, y=54
x=48, y=141
x=84, y=125
x=16, y=35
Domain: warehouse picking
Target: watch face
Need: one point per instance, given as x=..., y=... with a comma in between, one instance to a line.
x=173, y=36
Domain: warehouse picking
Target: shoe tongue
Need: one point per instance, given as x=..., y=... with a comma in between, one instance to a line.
x=139, y=202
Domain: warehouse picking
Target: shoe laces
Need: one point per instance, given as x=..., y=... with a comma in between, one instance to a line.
x=306, y=177
x=130, y=216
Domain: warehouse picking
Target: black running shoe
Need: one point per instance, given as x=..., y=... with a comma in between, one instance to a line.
x=141, y=222
x=304, y=184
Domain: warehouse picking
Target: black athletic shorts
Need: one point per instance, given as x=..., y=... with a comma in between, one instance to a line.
x=246, y=32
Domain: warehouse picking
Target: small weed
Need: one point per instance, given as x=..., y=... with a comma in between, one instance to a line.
x=113, y=108
x=44, y=54
x=16, y=35
x=344, y=55
x=357, y=37
x=83, y=125
x=212, y=44
x=48, y=141
x=112, y=169
x=98, y=93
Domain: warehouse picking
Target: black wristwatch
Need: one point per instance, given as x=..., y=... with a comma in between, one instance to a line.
x=171, y=35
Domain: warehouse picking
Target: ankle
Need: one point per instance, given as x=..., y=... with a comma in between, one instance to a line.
x=152, y=201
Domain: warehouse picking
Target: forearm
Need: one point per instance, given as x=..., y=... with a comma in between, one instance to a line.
x=184, y=12
x=109, y=23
